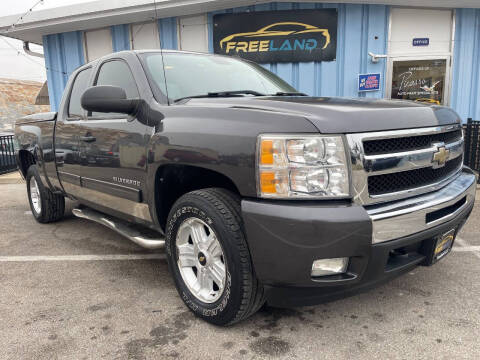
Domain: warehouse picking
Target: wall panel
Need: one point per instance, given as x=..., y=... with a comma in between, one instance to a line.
x=121, y=37
x=168, y=33
x=63, y=54
x=466, y=64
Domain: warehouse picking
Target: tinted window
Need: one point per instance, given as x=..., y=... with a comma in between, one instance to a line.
x=80, y=84
x=117, y=73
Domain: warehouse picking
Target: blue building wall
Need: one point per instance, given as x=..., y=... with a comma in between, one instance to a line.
x=64, y=53
x=120, y=37
x=167, y=28
x=466, y=64
x=361, y=28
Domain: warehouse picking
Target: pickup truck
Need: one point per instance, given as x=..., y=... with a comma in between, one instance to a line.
x=257, y=192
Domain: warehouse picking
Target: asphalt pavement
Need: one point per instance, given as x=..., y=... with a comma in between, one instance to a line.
x=77, y=290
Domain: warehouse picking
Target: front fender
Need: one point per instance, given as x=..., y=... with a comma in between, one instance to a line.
x=219, y=139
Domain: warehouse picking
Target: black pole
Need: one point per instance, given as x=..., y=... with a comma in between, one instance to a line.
x=468, y=142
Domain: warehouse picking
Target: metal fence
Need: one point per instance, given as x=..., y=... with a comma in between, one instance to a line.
x=8, y=162
x=472, y=144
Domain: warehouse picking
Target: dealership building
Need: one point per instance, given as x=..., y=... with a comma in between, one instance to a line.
x=421, y=50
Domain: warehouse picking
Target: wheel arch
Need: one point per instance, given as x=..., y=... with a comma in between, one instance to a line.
x=172, y=181
x=25, y=160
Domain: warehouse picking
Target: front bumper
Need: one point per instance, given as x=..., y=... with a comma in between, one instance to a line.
x=286, y=237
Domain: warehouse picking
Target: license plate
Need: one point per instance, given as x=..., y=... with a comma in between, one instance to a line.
x=443, y=245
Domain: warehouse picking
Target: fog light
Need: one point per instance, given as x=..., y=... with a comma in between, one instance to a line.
x=325, y=267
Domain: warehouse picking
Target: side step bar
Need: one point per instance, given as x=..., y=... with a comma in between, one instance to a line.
x=121, y=227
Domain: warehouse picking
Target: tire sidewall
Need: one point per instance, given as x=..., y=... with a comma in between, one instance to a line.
x=226, y=307
x=33, y=172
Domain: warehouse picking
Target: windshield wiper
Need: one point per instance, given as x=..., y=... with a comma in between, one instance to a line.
x=222, y=94
x=293, y=93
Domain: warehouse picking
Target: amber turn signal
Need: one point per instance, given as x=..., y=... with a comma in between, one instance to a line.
x=266, y=153
x=267, y=182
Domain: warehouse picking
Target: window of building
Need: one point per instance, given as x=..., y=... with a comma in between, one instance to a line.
x=145, y=36
x=80, y=84
x=98, y=43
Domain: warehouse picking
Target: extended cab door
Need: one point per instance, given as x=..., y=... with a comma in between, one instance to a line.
x=67, y=143
x=112, y=149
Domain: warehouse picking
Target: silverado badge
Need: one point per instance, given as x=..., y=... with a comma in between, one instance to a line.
x=126, y=181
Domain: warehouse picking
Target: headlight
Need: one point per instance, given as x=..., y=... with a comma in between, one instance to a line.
x=302, y=166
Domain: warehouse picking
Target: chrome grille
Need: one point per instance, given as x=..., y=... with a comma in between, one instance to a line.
x=395, y=182
x=409, y=143
x=392, y=165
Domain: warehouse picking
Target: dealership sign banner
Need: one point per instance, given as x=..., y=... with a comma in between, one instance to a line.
x=277, y=36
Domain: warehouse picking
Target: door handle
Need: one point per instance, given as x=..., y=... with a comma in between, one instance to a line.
x=88, y=138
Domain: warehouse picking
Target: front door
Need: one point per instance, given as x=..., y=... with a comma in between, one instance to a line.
x=420, y=54
x=112, y=149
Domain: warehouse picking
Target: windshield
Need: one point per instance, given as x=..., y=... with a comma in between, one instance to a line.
x=197, y=74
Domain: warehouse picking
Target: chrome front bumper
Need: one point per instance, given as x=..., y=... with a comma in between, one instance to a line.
x=405, y=217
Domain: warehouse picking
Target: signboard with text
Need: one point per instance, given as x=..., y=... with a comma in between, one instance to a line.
x=277, y=36
x=368, y=82
x=421, y=42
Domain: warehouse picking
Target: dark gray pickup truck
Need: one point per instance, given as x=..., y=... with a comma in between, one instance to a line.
x=258, y=193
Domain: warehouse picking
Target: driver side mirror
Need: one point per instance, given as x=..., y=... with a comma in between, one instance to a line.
x=108, y=99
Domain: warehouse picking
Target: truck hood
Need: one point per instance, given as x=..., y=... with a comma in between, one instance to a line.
x=343, y=115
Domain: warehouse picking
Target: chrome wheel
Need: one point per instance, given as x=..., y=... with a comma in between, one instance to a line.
x=35, y=196
x=200, y=260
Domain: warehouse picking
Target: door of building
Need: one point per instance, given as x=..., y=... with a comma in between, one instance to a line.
x=420, y=55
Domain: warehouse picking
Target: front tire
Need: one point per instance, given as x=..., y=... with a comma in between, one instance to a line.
x=209, y=258
x=45, y=205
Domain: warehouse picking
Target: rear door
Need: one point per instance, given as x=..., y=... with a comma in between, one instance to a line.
x=112, y=149
x=69, y=121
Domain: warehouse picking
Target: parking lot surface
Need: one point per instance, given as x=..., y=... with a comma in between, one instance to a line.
x=76, y=290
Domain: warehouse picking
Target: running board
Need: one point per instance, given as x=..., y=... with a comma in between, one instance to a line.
x=123, y=228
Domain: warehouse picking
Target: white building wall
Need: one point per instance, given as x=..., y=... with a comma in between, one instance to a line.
x=144, y=36
x=193, y=33
x=97, y=43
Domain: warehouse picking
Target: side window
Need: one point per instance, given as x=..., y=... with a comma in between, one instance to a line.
x=80, y=84
x=117, y=73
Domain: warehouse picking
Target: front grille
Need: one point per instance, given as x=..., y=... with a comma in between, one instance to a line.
x=392, y=145
x=390, y=183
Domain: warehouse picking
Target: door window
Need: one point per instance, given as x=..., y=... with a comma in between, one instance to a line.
x=419, y=80
x=117, y=73
x=80, y=84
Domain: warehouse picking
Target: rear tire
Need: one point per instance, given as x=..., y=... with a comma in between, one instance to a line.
x=238, y=293
x=45, y=205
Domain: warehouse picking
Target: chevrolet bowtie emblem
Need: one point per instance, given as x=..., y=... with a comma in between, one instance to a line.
x=440, y=157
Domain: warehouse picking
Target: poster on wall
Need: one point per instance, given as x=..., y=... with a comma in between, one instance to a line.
x=368, y=82
x=277, y=36
x=419, y=80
